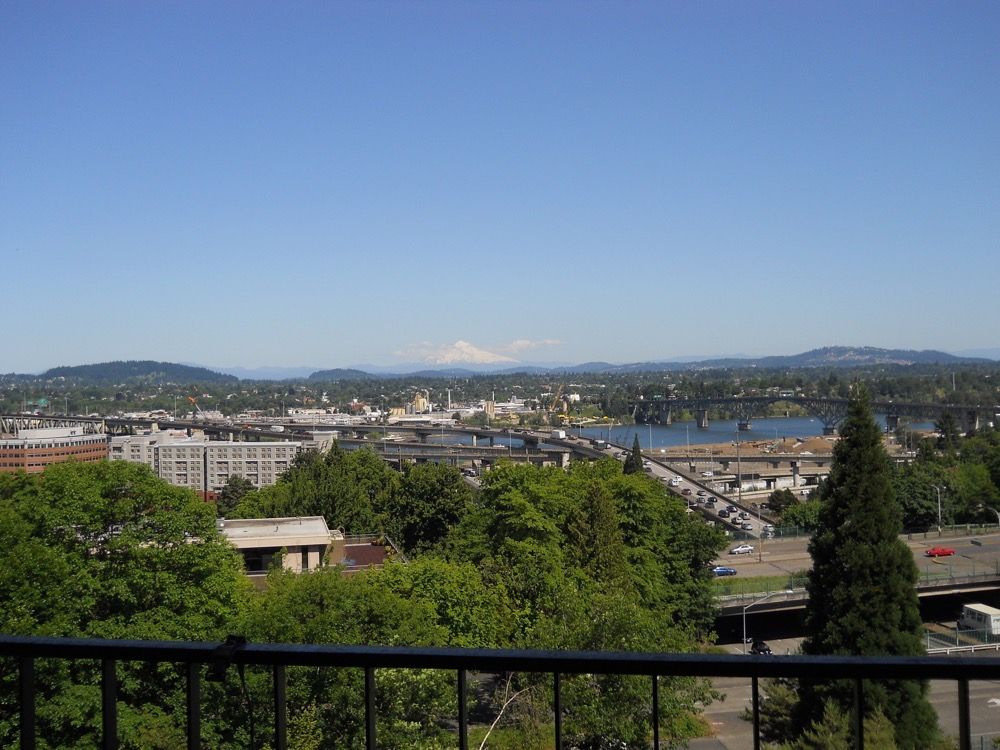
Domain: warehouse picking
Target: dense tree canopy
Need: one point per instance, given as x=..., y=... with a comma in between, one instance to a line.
x=585, y=558
x=108, y=550
x=861, y=587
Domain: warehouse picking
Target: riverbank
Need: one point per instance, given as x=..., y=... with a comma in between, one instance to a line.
x=784, y=445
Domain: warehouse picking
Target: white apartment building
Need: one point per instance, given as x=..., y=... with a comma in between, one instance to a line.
x=205, y=465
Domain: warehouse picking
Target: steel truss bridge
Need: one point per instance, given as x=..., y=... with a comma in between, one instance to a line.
x=830, y=411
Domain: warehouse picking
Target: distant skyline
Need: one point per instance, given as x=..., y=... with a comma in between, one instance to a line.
x=255, y=184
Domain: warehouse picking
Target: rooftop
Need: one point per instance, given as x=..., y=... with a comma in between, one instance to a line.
x=277, y=532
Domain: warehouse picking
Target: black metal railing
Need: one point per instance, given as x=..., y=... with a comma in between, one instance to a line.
x=461, y=661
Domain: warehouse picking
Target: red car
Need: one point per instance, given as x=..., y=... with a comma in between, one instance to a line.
x=939, y=552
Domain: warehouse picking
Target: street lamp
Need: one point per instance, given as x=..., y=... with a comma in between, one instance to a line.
x=995, y=511
x=752, y=604
x=938, y=489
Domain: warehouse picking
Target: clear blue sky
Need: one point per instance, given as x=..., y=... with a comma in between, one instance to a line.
x=321, y=183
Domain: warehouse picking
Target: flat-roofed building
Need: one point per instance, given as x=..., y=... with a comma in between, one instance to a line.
x=205, y=465
x=33, y=450
x=307, y=541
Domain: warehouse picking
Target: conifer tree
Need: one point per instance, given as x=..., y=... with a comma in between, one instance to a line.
x=862, y=599
x=633, y=464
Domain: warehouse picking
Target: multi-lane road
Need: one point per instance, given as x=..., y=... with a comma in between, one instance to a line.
x=699, y=496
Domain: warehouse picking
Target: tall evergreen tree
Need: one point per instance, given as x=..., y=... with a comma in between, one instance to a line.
x=862, y=599
x=633, y=464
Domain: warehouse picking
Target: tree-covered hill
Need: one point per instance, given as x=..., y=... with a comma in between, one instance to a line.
x=146, y=371
x=341, y=373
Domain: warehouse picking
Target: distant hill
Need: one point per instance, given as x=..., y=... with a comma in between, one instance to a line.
x=341, y=373
x=826, y=357
x=830, y=356
x=144, y=371
x=858, y=356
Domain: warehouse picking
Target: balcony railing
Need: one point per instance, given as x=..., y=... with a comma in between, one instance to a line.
x=461, y=661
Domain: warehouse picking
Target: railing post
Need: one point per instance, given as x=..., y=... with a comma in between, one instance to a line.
x=558, y=709
x=369, y=708
x=193, y=706
x=755, y=700
x=656, y=712
x=964, y=719
x=859, y=714
x=463, y=714
x=26, y=677
x=109, y=705
x=280, y=708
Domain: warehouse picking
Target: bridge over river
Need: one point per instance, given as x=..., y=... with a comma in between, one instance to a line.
x=830, y=411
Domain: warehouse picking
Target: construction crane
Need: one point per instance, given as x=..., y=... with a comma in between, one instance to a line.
x=555, y=399
x=194, y=403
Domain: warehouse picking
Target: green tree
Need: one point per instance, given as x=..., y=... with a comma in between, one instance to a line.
x=861, y=587
x=231, y=494
x=108, y=550
x=949, y=432
x=633, y=464
x=430, y=500
x=779, y=500
x=803, y=515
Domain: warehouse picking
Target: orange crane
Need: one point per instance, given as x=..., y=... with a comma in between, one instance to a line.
x=194, y=402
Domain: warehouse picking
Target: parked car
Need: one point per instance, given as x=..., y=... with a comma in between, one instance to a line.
x=743, y=549
x=760, y=648
x=724, y=570
x=939, y=552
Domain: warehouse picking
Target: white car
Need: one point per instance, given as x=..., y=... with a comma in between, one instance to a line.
x=707, y=474
x=743, y=549
x=675, y=482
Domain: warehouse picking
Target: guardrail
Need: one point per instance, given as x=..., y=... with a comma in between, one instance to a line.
x=195, y=656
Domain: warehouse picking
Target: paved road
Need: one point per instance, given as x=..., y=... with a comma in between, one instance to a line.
x=775, y=557
x=734, y=733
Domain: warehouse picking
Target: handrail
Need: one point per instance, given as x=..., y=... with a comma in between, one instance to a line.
x=25, y=649
x=492, y=660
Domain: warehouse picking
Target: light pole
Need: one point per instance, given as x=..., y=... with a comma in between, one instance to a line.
x=754, y=603
x=938, y=490
x=650, y=426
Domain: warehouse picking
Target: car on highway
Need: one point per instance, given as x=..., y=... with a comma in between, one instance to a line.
x=723, y=513
x=760, y=648
x=702, y=493
x=743, y=549
x=939, y=552
x=686, y=491
x=747, y=526
x=707, y=474
x=724, y=570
